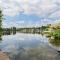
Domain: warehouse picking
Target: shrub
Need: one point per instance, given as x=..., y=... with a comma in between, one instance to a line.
x=56, y=33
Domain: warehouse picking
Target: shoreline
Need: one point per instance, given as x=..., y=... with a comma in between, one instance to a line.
x=3, y=56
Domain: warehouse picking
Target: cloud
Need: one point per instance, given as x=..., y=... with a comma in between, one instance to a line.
x=47, y=10
x=7, y=24
x=39, y=7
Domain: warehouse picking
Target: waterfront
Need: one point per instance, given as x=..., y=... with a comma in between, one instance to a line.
x=22, y=46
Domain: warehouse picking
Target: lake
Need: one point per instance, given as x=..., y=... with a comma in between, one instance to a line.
x=22, y=46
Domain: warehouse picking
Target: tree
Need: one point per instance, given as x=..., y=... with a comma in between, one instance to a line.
x=1, y=16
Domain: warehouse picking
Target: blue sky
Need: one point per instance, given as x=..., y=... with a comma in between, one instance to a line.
x=28, y=13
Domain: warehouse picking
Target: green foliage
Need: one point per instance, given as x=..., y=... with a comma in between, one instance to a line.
x=1, y=17
x=50, y=33
x=43, y=27
x=56, y=33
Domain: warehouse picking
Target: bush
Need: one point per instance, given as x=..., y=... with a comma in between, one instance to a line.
x=56, y=33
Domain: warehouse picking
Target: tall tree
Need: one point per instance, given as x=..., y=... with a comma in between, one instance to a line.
x=1, y=16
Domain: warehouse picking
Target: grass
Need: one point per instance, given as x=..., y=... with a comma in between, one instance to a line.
x=55, y=33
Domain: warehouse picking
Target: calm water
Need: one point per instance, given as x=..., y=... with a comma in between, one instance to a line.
x=29, y=47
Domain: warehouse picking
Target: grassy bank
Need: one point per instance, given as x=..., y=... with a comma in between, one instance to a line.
x=55, y=33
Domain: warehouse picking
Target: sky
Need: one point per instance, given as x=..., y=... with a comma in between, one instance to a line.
x=29, y=13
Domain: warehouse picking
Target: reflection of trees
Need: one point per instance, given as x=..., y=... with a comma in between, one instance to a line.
x=55, y=42
x=0, y=37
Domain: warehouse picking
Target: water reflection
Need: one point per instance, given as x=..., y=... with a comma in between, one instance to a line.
x=9, y=32
x=0, y=37
x=55, y=43
x=6, y=33
x=21, y=46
